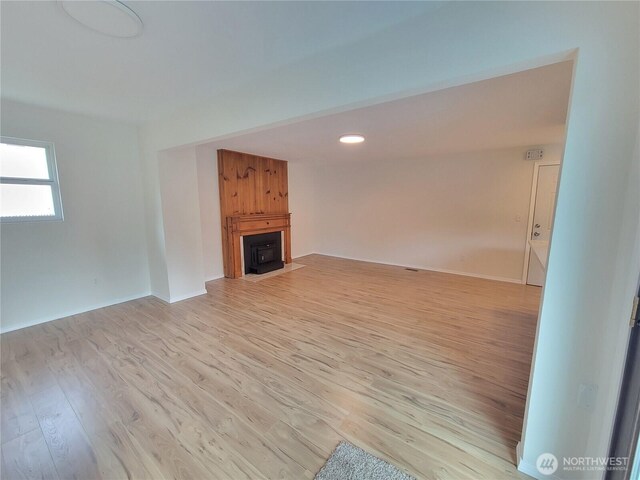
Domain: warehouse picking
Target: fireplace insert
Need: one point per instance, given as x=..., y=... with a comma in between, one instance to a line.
x=262, y=253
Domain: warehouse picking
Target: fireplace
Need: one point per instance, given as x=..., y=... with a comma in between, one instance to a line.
x=239, y=227
x=262, y=253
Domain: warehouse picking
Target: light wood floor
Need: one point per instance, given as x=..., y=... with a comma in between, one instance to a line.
x=262, y=380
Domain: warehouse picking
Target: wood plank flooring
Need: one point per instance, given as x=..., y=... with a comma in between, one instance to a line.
x=261, y=380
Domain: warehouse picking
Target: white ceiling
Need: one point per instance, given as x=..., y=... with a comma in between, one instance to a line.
x=188, y=51
x=525, y=108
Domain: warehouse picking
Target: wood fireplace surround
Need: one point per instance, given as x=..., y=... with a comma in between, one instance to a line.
x=240, y=225
x=254, y=199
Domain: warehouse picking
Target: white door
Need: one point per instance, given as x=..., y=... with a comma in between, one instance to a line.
x=542, y=218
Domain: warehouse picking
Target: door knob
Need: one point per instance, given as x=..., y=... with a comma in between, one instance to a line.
x=536, y=234
x=537, y=225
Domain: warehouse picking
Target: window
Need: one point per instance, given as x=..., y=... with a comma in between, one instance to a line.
x=29, y=189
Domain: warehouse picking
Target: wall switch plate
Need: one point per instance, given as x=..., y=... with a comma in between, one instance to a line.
x=535, y=154
x=587, y=396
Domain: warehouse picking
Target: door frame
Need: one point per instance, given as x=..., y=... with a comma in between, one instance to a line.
x=626, y=427
x=532, y=205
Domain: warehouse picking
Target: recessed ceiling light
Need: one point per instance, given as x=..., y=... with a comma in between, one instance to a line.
x=109, y=17
x=352, y=138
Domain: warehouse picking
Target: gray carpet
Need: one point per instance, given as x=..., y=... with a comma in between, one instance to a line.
x=348, y=462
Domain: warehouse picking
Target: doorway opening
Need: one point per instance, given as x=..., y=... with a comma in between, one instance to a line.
x=541, y=216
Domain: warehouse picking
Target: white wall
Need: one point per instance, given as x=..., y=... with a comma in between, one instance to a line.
x=302, y=204
x=97, y=256
x=626, y=283
x=178, y=175
x=464, y=213
x=154, y=223
x=208, y=190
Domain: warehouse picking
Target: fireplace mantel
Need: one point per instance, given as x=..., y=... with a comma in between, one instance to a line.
x=239, y=225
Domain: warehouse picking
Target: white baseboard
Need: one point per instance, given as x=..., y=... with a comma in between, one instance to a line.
x=186, y=296
x=203, y=291
x=531, y=470
x=69, y=313
x=431, y=269
x=211, y=279
x=523, y=466
x=304, y=255
x=160, y=297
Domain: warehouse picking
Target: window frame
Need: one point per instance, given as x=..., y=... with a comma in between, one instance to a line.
x=53, y=181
